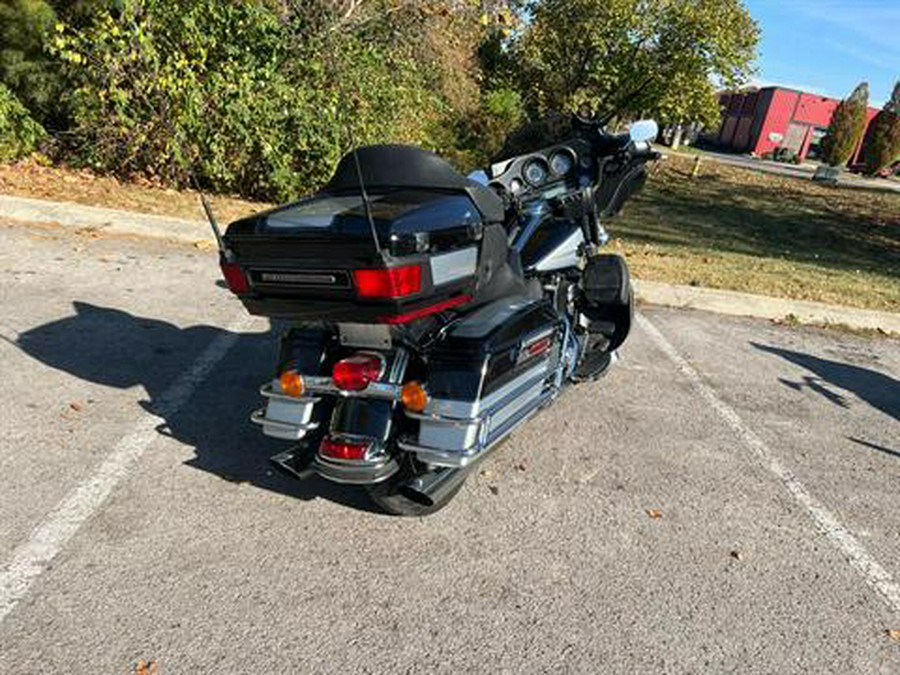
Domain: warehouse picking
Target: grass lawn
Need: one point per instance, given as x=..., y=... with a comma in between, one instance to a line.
x=728, y=228
x=759, y=233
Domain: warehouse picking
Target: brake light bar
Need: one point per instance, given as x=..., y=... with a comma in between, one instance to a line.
x=455, y=301
x=392, y=282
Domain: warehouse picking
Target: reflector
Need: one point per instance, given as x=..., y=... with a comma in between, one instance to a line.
x=394, y=282
x=355, y=373
x=341, y=449
x=234, y=277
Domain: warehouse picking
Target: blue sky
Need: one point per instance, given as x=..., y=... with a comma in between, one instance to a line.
x=829, y=46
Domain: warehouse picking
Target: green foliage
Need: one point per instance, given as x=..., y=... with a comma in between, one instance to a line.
x=594, y=53
x=24, y=66
x=166, y=88
x=19, y=133
x=847, y=126
x=882, y=146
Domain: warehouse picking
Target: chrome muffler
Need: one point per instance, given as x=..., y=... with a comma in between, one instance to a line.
x=433, y=486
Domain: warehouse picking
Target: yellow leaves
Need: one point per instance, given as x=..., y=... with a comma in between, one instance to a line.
x=655, y=514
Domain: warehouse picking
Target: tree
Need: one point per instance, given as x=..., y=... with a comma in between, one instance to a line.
x=597, y=53
x=24, y=66
x=882, y=144
x=847, y=126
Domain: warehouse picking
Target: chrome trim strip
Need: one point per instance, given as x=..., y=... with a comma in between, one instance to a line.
x=268, y=390
x=398, y=367
x=325, y=385
x=259, y=417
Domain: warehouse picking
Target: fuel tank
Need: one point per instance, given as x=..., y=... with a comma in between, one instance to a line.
x=552, y=244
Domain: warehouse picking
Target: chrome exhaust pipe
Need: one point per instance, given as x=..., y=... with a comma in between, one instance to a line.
x=433, y=486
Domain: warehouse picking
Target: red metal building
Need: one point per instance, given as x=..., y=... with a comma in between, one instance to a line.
x=760, y=121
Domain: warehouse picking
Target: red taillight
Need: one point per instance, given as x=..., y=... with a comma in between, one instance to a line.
x=339, y=449
x=355, y=373
x=234, y=277
x=455, y=301
x=394, y=282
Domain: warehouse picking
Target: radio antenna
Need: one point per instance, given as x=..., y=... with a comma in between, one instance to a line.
x=211, y=218
x=342, y=106
x=367, y=205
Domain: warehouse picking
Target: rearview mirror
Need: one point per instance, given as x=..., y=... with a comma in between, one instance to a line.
x=643, y=131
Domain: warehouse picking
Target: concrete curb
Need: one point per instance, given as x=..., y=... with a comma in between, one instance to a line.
x=652, y=292
x=107, y=220
x=763, y=307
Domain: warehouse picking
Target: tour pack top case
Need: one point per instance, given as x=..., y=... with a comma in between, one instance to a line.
x=426, y=239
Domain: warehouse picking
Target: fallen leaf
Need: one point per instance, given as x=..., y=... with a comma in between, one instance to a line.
x=74, y=405
x=893, y=633
x=204, y=244
x=654, y=513
x=735, y=554
x=520, y=466
x=494, y=489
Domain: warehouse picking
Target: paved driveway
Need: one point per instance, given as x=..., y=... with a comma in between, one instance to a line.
x=139, y=518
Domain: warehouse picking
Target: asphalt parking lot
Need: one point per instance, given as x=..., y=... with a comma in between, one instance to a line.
x=724, y=501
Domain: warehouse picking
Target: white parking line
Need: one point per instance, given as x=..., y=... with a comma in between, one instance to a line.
x=853, y=551
x=30, y=559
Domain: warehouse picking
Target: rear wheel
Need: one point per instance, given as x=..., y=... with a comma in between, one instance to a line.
x=398, y=497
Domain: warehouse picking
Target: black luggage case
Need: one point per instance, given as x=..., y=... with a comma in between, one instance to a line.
x=434, y=245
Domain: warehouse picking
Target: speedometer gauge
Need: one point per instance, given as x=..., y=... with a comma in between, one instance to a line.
x=535, y=171
x=561, y=163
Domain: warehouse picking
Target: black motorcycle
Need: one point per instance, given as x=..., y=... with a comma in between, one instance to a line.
x=430, y=313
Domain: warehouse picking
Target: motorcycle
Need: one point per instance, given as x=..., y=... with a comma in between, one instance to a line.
x=431, y=314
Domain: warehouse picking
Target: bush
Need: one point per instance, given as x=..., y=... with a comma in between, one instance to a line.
x=167, y=89
x=847, y=126
x=19, y=133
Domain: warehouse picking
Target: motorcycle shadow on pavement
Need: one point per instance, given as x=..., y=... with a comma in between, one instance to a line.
x=877, y=389
x=116, y=349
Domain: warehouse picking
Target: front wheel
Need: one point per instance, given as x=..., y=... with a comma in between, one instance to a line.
x=411, y=493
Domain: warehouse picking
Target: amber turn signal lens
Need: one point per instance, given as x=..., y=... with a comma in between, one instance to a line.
x=414, y=397
x=291, y=383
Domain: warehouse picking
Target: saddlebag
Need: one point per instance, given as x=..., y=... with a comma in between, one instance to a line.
x=490, y=371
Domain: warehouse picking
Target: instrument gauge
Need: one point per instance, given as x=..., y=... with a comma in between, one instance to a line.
x=561, y=163
x=535, y=171
x=516, y=186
